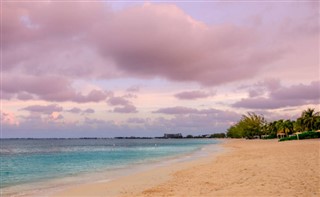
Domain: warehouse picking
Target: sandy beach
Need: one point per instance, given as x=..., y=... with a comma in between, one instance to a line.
x=245, y=168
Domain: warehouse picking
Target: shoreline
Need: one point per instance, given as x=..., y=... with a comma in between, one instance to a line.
x=52, y=186
x=246, y=168
x=150, y=175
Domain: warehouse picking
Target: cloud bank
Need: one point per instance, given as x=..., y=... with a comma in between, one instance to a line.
x=81, y=55
x=281, y=96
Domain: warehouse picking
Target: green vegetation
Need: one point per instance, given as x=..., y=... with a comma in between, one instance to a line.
x=294, y=137
x=215, y=135
x=189, y=136
x=218, y=135
x=255, y=126
x=250, y=126
x=304, y=135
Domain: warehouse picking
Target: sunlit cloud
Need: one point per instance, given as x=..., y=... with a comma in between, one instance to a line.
x=123, y=68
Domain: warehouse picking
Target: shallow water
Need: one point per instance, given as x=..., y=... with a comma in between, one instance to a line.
x=37, y=160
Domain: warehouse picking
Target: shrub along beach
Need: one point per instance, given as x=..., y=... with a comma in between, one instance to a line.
x=255, y=126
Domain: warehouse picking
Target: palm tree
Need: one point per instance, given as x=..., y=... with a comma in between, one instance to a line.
x=309, y=118
x=317, y=123
x=298, y=125
x=280, y=126
x=272, y=129
x=288, y=126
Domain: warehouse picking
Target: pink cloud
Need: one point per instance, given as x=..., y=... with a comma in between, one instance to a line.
x=280, y=97
x=49, y=88
x=118, y=101
x=149, y=40
x=6, y=95
x=59, y=34
x=93, y=96
x=45, y=109
x=162, y=40
x=266, y=103
x=41, y=85
x=129, y=108
x=137, y=120
x=8, y=118
x=142, y=41
x=261, y=88
x=74, y=110
x=130, y=95
x=77, y=110
x=25, y=22
x=194, y=120
x=134, y=88
x=218, y=114
x=300, y=91
x=191, y=95
x=123, y=105
x=42, y=117
x=24, y=96
x=256, y=92
x=176, y=110
x=48, y=47
x=55, y=116
x=89, y=111
x=94, y=121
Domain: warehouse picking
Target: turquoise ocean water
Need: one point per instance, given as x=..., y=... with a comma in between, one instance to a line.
x=34, y=160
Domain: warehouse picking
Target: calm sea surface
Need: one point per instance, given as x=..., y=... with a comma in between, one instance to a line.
x=34, y=160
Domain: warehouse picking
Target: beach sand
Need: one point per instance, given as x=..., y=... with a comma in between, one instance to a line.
x=246, y=168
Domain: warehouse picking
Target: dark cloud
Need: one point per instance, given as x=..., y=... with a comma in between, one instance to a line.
x=114, y=101
x=191, y=95
x=74, y=110
x=123, y=105
x=88, y=111
x=77, y=110
x=45, y=109
x=129, y=108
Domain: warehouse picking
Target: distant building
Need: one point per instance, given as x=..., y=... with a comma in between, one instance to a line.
x=172, y=135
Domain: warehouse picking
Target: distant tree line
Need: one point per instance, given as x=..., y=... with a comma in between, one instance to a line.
x=218, y=135
x=215, y=135
x=252, y=125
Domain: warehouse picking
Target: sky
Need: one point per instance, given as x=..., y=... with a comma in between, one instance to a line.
x=145, y=68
